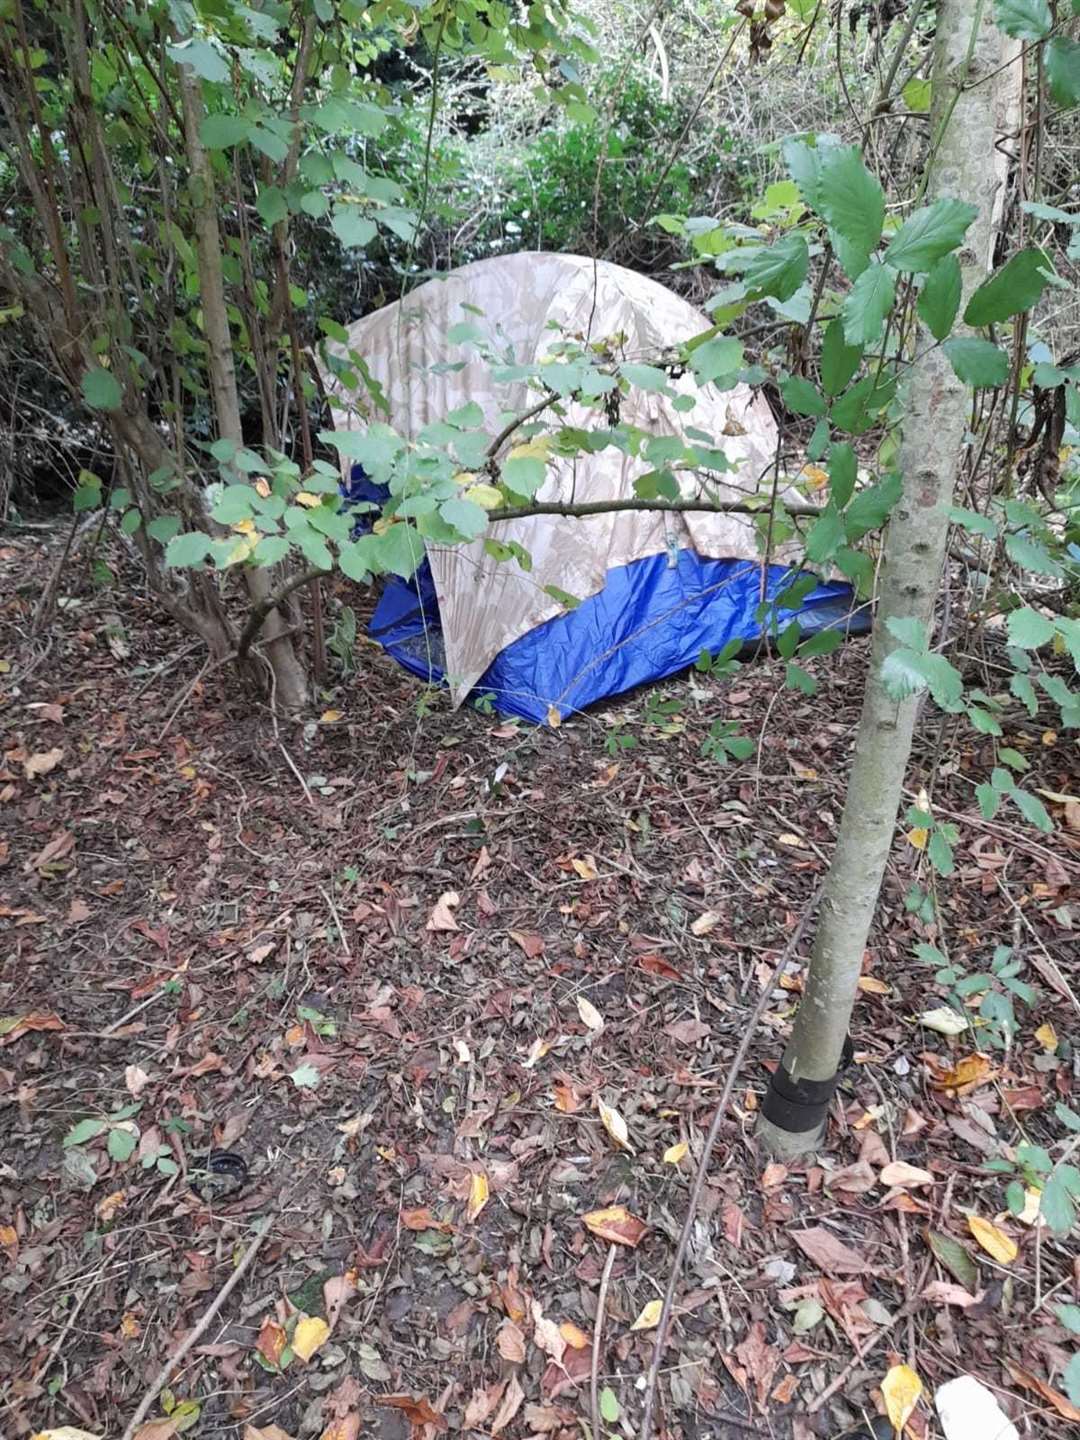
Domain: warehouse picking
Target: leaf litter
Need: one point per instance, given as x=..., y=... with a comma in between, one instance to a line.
x=433, y=1039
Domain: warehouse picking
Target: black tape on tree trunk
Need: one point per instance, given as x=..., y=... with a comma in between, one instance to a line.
x=798, y=1106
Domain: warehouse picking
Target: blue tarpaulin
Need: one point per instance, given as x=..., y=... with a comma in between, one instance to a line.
x=652, y=619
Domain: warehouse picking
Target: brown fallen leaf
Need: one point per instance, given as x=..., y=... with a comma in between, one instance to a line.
x=532, y=945
x=14, y=1026
x=657, y=965
x=705, y=923
x=856, y=1179
x=265, y=1432
x=546, y=1335
x=163, y=1429
x=271, y=1341
x=42, y=763
x=481, y=1403
x=944, y=1292
x=898, y=1172
x=1065, y=1408
x=616, y=1224
x=542, y=1419
x=442, y=916
x=574, y=1336
x=60, y=846
x=688, y=1032
x=828, y=1253
x=337, y=1292
x=422, y=1219
x=966, y=1075
x=416, y=1408
x=346, y=1427
x=78, y=911
x=511, y=1342
x=511, y=1404
x=566, y=1099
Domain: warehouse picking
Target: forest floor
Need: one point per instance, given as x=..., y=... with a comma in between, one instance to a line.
x=394, y=960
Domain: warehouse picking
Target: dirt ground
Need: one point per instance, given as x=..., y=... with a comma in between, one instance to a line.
x=395, y=961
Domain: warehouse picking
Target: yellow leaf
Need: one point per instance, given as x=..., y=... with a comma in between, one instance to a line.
x=486, y=496
x=705, y=923
x=1032, y=1208
x=554, y=719
x=674, y=1154
x=66, y=1432
x=262, y=487
x=900, y=1390
x=537, y=1050
x=918, y=838
x=537, y=448
x=590, y=1015
x=994, y=1241
x=816, y=476
x=311, y=1334
x=944, y=1020
x=615, y=1125
x=329, y=716
x=478, y=1195
x=244, y=527
x=574, y=1337
x=871, y=985
x=586, y=868
x=649, y=1317
x=1046, y=1035
x=309, y=501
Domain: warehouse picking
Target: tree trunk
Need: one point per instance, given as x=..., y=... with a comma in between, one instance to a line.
x=290, y=681
x=968, y=50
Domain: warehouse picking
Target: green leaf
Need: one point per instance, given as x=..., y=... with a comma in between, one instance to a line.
x=867, y=304
x=1015, y=1197
x=1024, y=691
x=222, y=132
x=401, y=549
x=872, y=507
x=1072, y=1378
x=645, y=377
x=929, y=235
x=101, y=389
x=233, y=505
x=977, y=362
x=191, y=548
x=1023, y=19
x=315, y=204
x=1069, y=1315
x=609, y=1405
x=121, y=1142
x=85, y=1130
x=974, y=522
x=87, y=494
x=270, y=550
x=1056, y=1205
x=1009, y=291
x=823, y=643
x=796, y=678
x=953, y=1256
x=839, y=360
x=716, y=357
x=850, y=199
x=304, y=1077
x=523, y=474
x=917, y=94
x=467, y=518
x=1030, y=555
x=352, y=228
x=1028, y=629
x=271, y=205
x=939, y=298
x=780, y=269
x=130, y=521
x=208, y=63
x=1033, y=811
x=801, y=397
x=826, y=536
x=163, y=528
x=842, y=470
x=1061, y=59
x=939, y=852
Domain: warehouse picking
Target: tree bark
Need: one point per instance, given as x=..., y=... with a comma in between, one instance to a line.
x=968, y=51
x=290, y=681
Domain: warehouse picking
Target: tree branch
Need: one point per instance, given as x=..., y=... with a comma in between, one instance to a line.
x=586, y=508
x=519, y=420
x=272, y=601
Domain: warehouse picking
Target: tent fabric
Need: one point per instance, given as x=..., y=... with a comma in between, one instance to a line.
x=652, y=619
x=526, y=303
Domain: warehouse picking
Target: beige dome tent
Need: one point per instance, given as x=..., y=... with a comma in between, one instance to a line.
x=526, y=303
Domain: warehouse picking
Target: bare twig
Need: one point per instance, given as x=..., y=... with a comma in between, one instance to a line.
x=597, y=1337
x=160, y=1379
x=664, y=1324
